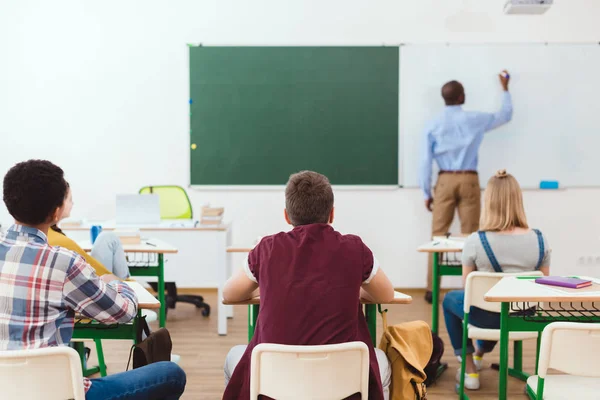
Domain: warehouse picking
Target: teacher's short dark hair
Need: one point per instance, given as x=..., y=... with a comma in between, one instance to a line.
x=453, y=93
x=308, y=198
x=33, y=190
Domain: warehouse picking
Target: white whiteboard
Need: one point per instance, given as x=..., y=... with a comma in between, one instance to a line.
x=555, y=130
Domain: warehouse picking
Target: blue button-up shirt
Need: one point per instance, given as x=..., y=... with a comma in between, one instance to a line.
x=454, y=137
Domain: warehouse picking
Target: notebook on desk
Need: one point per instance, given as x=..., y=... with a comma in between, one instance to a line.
x=572, y=283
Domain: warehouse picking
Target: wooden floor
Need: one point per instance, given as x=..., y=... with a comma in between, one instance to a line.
x=203, y=352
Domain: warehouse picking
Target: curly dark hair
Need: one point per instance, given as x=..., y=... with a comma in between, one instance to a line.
x=33, y=190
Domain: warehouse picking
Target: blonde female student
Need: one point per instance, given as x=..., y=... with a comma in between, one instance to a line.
x=505, y=243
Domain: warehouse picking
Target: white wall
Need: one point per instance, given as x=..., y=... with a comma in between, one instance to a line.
x=101, y=88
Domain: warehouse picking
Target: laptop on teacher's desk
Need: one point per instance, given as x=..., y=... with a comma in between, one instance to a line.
x=135, y=210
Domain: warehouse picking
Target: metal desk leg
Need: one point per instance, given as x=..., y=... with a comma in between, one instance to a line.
x=162, y=318
x=228, y=263
x=253, y=310
x=222, y=272
x=503, y=371
x=435, y=293
x=101, y=362
x=80, y=348
x=229, y=273
x=371, y=317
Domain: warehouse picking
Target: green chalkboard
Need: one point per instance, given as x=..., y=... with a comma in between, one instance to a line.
x=258, y=114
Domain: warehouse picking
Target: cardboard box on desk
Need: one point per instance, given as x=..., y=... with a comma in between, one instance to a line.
x=129, y=236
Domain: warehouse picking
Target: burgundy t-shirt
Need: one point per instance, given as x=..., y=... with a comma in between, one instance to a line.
x=309, y=281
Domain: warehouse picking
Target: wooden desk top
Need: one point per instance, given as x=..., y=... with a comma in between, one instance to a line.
x=154, y=246
x=511, y=289
x=166, y=225
x=442, y=246
x=399, y=298
x=239, y=249
x=146, y=300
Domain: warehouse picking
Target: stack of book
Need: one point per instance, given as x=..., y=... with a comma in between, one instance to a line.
x=129, y=236
x=212, y=215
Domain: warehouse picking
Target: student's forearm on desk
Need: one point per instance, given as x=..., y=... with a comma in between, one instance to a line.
x=113, y=302
x=364, y=295
x=379, y=289
x=239, y=288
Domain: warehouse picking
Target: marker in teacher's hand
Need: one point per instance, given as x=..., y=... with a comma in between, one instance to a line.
x=505, y=74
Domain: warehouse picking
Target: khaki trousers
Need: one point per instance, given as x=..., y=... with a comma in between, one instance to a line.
x=454, y=192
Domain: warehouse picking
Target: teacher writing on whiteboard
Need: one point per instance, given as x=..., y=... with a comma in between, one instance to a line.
x=452, y=140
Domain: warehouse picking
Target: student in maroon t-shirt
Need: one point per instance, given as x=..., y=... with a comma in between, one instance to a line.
x=310, y=282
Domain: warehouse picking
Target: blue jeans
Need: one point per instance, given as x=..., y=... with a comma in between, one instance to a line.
x=109, y=251
x=454, y=314
x=158, y=381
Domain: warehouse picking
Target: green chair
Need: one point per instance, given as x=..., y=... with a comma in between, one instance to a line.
x=476, y=286
x=174, y=201
x=175, y=204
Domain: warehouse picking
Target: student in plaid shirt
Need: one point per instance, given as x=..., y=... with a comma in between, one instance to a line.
x=42, y=287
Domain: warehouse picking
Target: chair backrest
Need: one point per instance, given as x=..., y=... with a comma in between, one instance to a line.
x=52, y=373
x=174, y=201
x=325, y=372
x=479, y=283
x=570, y=347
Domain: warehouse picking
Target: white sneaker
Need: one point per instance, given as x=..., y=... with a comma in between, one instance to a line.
x=478, y=361
x=471, y=380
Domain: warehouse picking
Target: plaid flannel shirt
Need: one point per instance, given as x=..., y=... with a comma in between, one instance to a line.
x=42, y=287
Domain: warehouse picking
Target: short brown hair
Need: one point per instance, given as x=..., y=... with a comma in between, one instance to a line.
x=503, y=204
x=308, y=198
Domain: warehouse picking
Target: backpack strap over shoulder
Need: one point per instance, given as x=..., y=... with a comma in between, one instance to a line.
x=489, y=252
x=542, y=248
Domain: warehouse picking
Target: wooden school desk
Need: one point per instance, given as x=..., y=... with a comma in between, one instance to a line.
x=518, y=294
x=200, y=248
x=152, y=263
x=438, y=248
x=89, y=329
x=370, y=312
x=226, y=311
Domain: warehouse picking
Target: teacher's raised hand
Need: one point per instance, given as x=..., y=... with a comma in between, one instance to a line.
x=504, y=79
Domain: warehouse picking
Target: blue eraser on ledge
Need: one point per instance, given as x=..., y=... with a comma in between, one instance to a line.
x=549, y=185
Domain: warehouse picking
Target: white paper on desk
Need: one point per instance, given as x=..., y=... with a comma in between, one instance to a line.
x=443, y=242
x=461, y=239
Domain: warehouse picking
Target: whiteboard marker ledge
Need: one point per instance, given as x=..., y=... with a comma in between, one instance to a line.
x=249, y=188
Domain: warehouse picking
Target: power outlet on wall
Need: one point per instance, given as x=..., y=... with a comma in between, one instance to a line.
x=589, y=260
